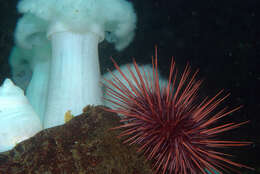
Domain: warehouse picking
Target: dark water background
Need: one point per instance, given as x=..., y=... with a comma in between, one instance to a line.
x=220, y=37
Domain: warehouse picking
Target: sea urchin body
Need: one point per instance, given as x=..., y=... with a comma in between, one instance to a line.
x=170, y=124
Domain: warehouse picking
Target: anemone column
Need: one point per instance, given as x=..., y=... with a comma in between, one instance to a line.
x=74, y=75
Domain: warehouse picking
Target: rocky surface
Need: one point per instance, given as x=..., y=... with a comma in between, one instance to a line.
x=84, y=145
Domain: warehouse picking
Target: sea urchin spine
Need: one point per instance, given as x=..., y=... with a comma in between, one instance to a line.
x=170, y=124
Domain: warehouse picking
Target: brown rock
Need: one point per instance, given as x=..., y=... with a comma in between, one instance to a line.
x=84, y=145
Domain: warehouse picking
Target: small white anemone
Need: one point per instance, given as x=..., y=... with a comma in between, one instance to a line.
x=18, y=121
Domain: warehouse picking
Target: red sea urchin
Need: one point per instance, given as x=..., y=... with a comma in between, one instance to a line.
x=171, y=126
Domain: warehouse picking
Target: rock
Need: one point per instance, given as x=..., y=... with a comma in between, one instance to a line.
x=84, y=145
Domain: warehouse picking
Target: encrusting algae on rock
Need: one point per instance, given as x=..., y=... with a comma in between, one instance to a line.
x=82, y=145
